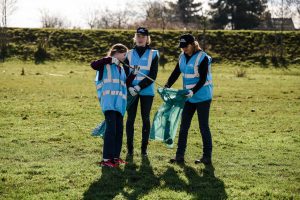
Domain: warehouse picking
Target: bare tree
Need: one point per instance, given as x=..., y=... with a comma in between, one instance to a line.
x=4, y=40
x=294, y=4
x=7, y=7
x=156, y=14
x=106, y=18
x=120, y=19
x=281, y=11
x=92, y=18
x=295, y=8
x=203, y=22
x=96, y=18
x=49, y=20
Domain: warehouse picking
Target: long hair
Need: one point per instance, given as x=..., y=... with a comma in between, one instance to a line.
x=117, y=48
x=196, y=46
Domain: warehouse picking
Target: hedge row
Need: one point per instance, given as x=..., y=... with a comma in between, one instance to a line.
x=86, y=45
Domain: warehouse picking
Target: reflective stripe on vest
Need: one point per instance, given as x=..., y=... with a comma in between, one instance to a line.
x=111, y=90
x=99, y=86
x=141, y=67
x=144, y=62
x=196, y=73
x=193, y=85
x=191, y=76
x=108, y=68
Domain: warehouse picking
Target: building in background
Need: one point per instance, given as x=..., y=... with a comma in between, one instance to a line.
x=285, y=24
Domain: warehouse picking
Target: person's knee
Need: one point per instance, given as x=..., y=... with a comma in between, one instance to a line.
x=204, y=127
x=146, y=119
x=130, y=120
x=184, y=128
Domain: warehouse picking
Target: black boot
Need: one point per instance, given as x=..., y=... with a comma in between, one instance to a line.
x=204, y=160
x=177, y=160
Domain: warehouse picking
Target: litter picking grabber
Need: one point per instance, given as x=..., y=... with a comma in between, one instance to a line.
x=141, y=73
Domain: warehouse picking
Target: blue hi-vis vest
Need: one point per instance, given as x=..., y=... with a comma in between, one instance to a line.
x=111, y=90
x=190, y=75
x=145, y=63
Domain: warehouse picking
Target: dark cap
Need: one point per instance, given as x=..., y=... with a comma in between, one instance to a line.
x=185, y=40
x=142, y=30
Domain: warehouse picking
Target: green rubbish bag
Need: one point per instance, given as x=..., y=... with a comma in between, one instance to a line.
x=100, y=129
x=168, y=116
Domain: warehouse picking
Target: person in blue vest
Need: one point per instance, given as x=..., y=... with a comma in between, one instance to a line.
x=195, y=67
x=147, y=58
x=111, y=83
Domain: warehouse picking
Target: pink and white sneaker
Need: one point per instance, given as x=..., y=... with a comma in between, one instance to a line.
x=108, y=163
x=119, y=161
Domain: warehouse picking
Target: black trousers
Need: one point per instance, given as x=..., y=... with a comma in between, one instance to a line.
x=113, y=134
x=146, y=103
x=203, y=119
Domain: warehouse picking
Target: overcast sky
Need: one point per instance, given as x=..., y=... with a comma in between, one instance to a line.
x=28, y=12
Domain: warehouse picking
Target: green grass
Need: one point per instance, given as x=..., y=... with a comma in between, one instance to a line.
x=46, y=151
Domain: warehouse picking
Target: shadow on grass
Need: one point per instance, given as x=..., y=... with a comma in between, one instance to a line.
x=141, y=181
x=202, y=185
x=135, y=182
x=132, y=182
x=107, y=186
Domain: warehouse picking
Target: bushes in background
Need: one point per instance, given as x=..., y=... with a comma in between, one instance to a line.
x=87, y=45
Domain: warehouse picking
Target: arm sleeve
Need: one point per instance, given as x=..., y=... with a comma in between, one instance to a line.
x=174, y=76
x=152, y=74
x=126, y=69
x=130, y=76
x=99, y=64
x=129, y=79
x=202, y=69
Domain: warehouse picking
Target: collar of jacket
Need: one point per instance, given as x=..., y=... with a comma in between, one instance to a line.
x=189, y=57
x=141, y=50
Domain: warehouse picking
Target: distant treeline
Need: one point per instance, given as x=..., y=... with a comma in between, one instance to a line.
x=86, y=45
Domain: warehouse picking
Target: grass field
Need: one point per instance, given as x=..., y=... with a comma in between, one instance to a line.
x=46, y=117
